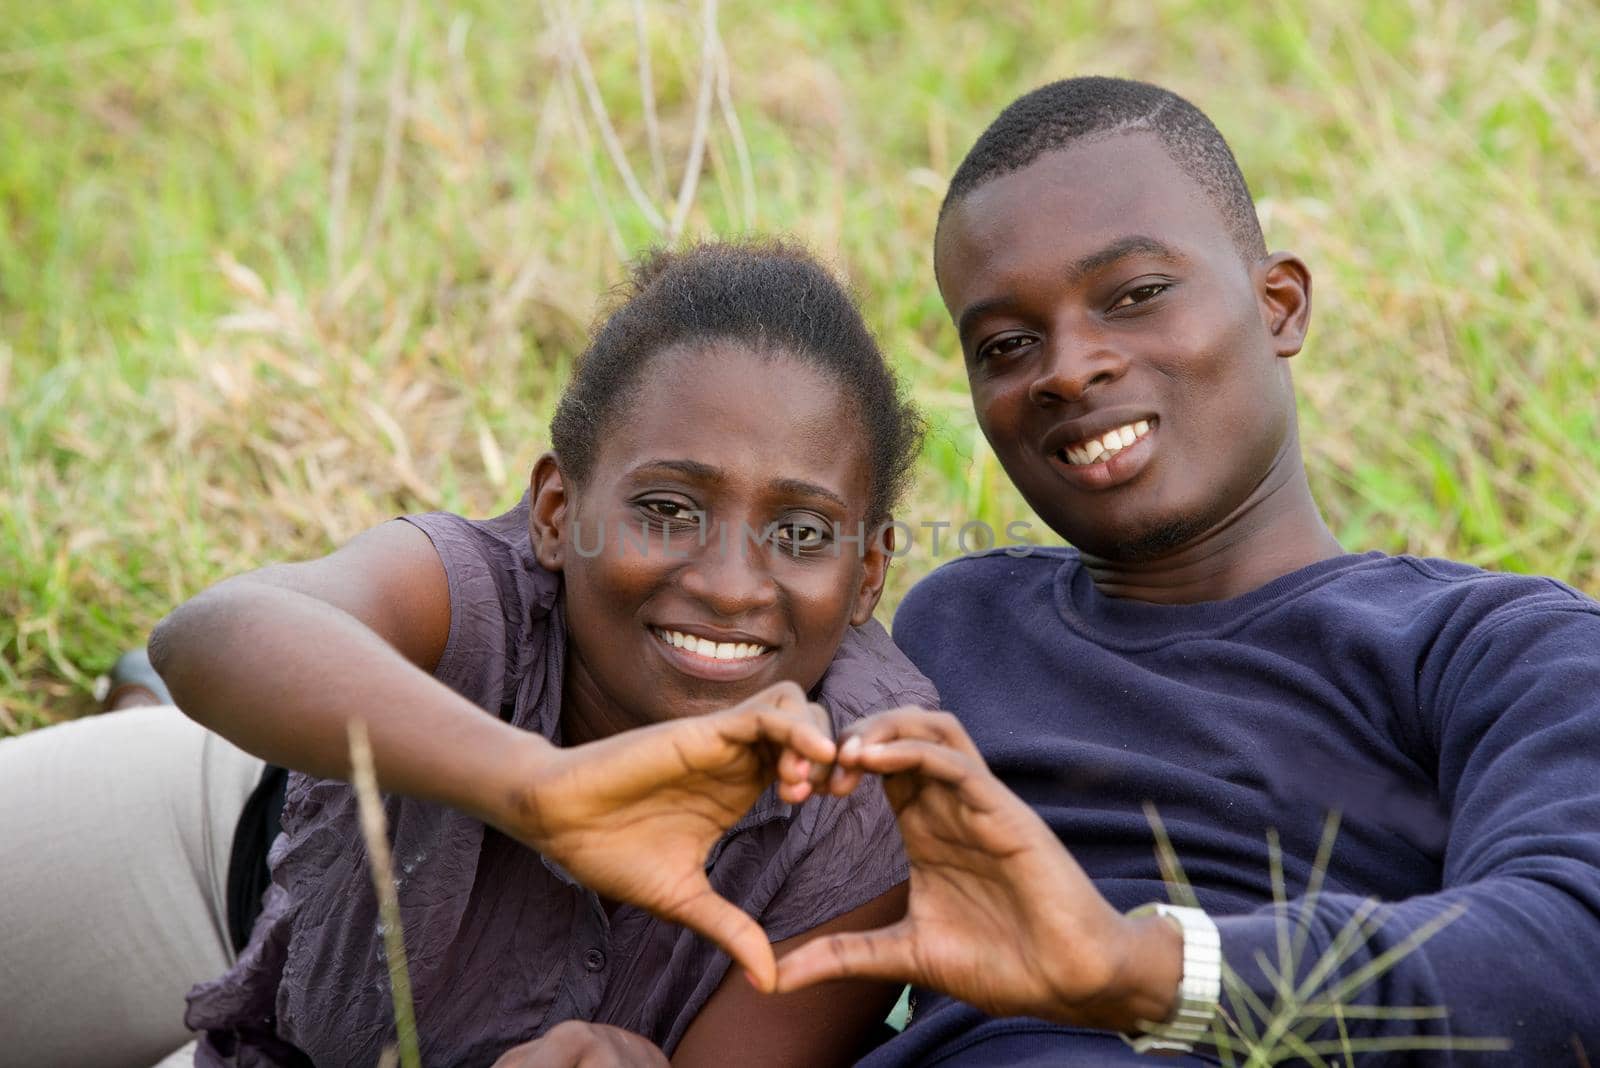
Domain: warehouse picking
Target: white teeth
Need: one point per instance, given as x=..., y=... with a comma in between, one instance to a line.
x=709, y=649
x=1107, y=445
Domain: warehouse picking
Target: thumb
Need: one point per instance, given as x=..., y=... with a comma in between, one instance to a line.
x=881, y=954
x=733, y=931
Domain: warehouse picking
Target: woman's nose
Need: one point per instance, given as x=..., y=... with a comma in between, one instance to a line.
x=730, y=576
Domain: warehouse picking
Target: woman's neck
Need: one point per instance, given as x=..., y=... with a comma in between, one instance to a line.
x=587, y=714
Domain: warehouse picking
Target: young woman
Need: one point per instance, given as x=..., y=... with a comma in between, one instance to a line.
x=710, y=528
x=709, y=523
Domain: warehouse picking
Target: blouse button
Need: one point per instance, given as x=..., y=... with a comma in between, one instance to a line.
x=594, y=960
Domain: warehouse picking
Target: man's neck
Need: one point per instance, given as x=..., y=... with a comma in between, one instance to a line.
x=1276, y=531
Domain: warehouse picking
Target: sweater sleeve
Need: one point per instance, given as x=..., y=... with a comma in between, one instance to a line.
x=1508, y=948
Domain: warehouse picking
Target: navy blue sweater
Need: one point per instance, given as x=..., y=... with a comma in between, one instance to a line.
x=1450, y=715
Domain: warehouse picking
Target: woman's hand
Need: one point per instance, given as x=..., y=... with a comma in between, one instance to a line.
x=634, y=816
x=1000, y=915
x=575, y=1044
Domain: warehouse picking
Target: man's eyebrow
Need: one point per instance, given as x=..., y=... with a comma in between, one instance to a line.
x=973, y=312
x=1134, y=245
x=800, y=488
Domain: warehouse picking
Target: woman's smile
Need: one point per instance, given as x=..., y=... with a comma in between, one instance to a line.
x=693, y=653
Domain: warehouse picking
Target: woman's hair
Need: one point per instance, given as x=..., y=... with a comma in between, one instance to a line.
x=769, y=296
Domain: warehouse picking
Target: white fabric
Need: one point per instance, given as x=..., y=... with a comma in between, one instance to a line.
x=115, y=833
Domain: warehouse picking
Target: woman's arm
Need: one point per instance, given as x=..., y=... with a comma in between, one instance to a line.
x=280, y=660
x=819, y=1025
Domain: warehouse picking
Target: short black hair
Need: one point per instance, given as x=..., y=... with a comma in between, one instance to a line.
x=768, y=295
x=1062, y=113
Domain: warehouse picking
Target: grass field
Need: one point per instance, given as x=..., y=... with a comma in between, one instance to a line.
x=272, y=273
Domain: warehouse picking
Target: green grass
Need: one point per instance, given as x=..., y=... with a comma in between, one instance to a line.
x=272, y=273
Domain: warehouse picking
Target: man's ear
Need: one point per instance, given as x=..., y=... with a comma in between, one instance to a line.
x=875, y=557
x=1284, y=291
x=548, y=512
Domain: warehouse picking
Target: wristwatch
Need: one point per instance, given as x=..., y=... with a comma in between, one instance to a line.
x=1198, y=991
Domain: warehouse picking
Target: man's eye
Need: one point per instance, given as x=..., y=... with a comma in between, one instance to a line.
x=1139, y=294
x=1004, y=346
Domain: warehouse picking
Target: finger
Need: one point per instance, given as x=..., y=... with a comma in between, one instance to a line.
x=794, y=768
x=881, y=954
x=733, y=931
x=910, y=722
x=846, y=776
x=974, y=784
x=806, y=730
x=795, y=793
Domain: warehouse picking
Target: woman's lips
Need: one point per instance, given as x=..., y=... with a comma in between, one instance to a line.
x=704, y=659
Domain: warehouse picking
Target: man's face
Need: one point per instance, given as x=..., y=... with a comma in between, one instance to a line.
x=1123, y=356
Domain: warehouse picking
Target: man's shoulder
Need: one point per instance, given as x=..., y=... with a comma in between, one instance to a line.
x=997, y=570
x=1459, y=587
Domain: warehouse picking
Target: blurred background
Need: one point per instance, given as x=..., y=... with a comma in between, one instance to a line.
x=271, y=273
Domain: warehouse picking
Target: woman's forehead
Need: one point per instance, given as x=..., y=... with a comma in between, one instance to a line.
x=753, y=416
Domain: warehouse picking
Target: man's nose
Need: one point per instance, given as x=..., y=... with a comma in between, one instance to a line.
x=1075, y=363
x=729, y=575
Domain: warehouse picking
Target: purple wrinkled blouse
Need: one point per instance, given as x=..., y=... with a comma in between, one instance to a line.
x=503, y=945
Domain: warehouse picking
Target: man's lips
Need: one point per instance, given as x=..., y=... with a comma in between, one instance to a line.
x=1106, y=452
x=724, y=659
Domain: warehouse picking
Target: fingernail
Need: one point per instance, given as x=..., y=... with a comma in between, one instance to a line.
x=851, y=747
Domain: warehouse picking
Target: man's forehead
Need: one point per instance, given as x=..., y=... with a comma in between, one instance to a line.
x=1077, y=198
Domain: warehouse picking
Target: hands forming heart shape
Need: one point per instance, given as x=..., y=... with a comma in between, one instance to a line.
x=1000, y=914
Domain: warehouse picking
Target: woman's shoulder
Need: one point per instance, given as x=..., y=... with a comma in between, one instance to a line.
x=870, y=674
x=502, y=606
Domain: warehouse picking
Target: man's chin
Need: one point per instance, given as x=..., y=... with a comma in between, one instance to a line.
x=1140, y=544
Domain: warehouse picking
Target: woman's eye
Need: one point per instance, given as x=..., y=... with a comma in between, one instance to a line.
x=1004, y=346
x=802, y=535
x=664, y=509
x=1139, y=294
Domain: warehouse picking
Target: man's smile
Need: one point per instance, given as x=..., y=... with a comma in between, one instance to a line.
x=1098, y=453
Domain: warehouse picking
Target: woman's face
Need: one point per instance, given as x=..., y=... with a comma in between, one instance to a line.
x=702, y=557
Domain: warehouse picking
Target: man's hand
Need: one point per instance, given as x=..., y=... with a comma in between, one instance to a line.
x=575, y=1044
x=633, y=816
x=1000, y=915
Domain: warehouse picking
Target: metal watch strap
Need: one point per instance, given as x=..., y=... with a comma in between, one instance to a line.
x=1198, y=991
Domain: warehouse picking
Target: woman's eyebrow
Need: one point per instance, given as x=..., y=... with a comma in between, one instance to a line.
x=796, y=487
x=691, y=469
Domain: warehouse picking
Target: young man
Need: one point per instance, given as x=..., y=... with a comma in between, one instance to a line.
x=1207, y=654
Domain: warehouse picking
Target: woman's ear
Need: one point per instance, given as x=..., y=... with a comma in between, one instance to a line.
x=1284, y=292
x=875, y=557
x=548, y=512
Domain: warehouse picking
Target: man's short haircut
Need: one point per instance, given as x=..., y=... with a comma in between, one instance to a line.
x=1063, y=113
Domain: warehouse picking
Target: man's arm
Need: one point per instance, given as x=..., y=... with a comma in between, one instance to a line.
x=1506, y=948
